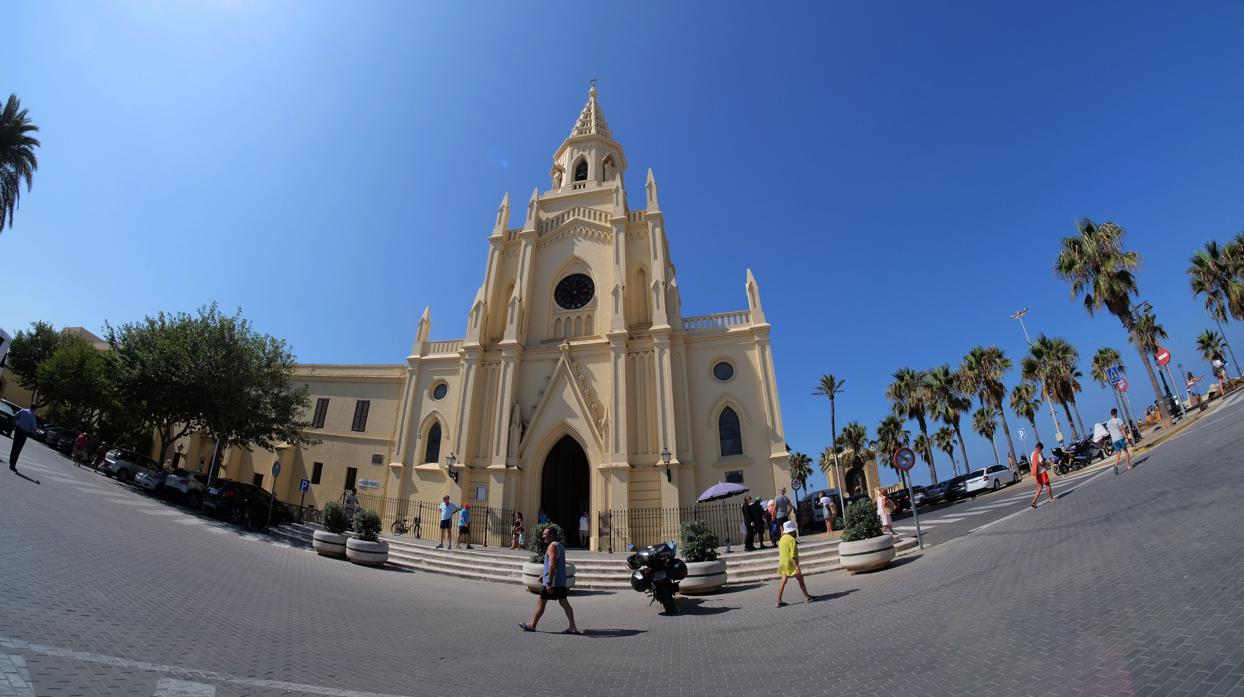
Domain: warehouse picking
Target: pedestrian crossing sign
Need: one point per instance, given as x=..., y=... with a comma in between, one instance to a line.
x=1112, y=374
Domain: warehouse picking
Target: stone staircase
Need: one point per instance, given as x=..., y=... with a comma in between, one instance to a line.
x=593, y=570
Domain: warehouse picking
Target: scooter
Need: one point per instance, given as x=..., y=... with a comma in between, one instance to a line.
x=657, y=571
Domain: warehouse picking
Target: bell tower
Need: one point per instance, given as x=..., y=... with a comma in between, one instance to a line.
x=589, y=157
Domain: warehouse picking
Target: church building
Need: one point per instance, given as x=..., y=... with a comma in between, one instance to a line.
x=577, y=384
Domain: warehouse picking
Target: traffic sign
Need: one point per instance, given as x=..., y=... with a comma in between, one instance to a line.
x=1123, y=385
x=1162, y=356
x=1112, y=374
x=1022, y=435
x=276, y=468
x=796, y=484
x=904, y=458
x=304, y=485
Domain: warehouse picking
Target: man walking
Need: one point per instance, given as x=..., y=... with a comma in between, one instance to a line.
x=1039, y=474
x=1118, y=440
x=447, y=516
x=24, y=424
x=464, y=526
x=781, y=508
x=554, y=583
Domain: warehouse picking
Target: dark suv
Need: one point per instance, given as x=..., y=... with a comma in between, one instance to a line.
x=243, y=504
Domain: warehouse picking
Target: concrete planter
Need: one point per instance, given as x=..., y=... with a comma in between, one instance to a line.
x=329, y=544
x=867, y=555
x=703, y=577
x=367, y=553
x=532, y=573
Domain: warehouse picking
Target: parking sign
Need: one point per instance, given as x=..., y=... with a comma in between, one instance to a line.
x=304, y=485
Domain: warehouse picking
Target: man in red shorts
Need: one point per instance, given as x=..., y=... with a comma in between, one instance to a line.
x=1039, y=474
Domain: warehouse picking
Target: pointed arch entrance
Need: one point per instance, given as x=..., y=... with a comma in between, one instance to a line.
x=564, y=486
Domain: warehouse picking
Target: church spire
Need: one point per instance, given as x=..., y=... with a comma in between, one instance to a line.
x=592, y=120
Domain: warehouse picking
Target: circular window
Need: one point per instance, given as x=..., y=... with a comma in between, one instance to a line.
x=574, y=291
x=723, y=371
x=440, y=391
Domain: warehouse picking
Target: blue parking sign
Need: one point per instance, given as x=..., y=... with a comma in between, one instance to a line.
x=304, y=485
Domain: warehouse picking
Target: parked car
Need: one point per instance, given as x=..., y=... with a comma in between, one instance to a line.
x=935, y=493
x=7, y=412
x=993, y=477
x=64, y=441
x=187, y=486
x=956, y=488
x=243, y=504
x=126, y=464
x=149, y=481
x=49, y=435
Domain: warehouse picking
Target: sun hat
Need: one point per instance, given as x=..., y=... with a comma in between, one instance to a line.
x=789, y=526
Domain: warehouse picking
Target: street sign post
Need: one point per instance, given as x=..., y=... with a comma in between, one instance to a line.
x=303, y=486
x=1112, y=374
x=1022, y=435
x=1162, y=356
x=276, y=470
x=1122, y=384
x=904, y=459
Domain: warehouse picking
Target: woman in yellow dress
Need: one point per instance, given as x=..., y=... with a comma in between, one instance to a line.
x=788, y=562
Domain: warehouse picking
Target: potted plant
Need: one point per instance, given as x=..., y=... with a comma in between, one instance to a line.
x=705, y=572
x=534, y=568
x=331, y=542
x=863, y=546
x=365, y=547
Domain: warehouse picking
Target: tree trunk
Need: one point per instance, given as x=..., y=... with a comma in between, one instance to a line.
x=1165, y=416
x=963, y=449
x=1075, y=406
x=1070, y=422
x=994, y=442
x=1010, y=444
x=953, y=465
x=833, y=448
x=928, y=450
x=1036, y=436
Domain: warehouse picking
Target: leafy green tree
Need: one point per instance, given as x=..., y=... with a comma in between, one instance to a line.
x=1216, y=274
x=982, y=371
x=76, y=383
x=1025, y=403
x=1047, y=363
x=1209, y=343
x=913, y=398
x=800, y=470
x=984, y=422
x=18, y=162
x=830, y=386
x=890, y=437
x=1096, y=265
x=28, y=350
x=944, y=438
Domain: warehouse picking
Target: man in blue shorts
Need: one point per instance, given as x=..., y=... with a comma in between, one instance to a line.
x=1119, y=438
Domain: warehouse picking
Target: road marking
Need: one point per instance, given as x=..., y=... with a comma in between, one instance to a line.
x=912, y=528
x=188, y=521
x=1044, y=502
x=945, y=520
x=88, y=490
x=14, y=677
x=213, y=528
x=168, y=687
x=159, y=512
x=61, y=479
x=116, y=661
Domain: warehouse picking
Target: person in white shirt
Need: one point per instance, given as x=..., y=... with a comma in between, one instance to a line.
x=1119, y=438
x=584, y=530
x=827, y=507
x=447, y=515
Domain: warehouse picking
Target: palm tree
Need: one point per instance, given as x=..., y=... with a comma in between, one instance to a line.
x=1071, y=357
x=1215, y=273
x=852, y=447
x=944, y=439
x=1095, y=264
x=17, y=156
x=800, y=470
x=912, y=395
x=1024, y=401
x=890, y=437
x=983, y=369
x=1047, y=363
x=1105, y=359
x=950, y=403
x=983, y=423
x=1210, y=343
x=1149, y=333
x=830, y=386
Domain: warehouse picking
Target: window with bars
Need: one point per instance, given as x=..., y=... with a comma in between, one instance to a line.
x=321, y=412
x=361, y=408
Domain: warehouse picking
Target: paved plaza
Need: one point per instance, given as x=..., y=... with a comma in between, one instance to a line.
x=1128, y=585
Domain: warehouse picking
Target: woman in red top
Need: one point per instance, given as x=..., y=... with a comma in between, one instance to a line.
x=1040, y=475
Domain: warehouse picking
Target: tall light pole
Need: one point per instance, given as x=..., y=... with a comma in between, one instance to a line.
x=1058, y=433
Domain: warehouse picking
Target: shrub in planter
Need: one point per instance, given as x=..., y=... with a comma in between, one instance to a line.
x=335, y=518
x=330, y=541
x=698, y=546
x=365, y=547
x=862, y=522
x=533, y=569
x=863, y=547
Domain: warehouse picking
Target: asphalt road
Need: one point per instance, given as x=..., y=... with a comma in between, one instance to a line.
x=1128, y=585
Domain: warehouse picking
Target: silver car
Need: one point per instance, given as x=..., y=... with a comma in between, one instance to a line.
x=126, y=464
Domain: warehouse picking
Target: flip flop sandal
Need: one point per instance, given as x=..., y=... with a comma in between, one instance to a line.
x=572, y=631
x=526, y=627
x=781, y=604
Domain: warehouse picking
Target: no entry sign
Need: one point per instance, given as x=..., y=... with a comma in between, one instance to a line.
x=1123, y=384
x=1162, y=356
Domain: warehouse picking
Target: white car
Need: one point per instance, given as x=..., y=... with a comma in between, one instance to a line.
x=993, y=477
x=188, y=486
x=149, y=480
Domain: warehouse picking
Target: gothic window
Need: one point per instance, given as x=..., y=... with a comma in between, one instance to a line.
x=432, y=452
x=580, y=171
x=729, y=434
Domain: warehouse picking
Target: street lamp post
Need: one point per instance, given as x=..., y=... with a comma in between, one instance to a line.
x=450, y=459
x=1058, y=432
x=665, y=459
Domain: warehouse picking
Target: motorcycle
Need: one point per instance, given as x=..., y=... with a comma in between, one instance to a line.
x=657, y=571
x=1079, y=457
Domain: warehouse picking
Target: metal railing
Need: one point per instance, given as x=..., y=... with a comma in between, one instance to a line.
x=641, y=527
x=490, y=526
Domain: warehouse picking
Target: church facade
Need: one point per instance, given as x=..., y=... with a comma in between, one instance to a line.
x=576, y=378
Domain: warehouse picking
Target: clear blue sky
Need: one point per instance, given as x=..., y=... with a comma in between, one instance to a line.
x=898, y=175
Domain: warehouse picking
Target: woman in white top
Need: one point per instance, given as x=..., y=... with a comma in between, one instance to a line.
x=884, y=507
x=584, y=530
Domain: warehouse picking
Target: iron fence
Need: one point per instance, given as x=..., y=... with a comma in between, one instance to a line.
x=640, y=527
x=490, y=526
